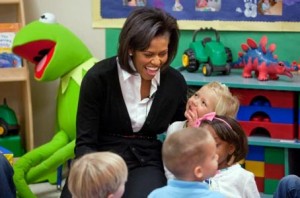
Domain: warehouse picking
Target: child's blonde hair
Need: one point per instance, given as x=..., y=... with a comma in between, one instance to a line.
x=184, y=150
x=227, y=104
x=97, y=175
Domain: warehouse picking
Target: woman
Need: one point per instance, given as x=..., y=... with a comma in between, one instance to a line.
x=126, y=100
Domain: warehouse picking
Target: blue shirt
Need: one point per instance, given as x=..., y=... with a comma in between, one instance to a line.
x=183, y=189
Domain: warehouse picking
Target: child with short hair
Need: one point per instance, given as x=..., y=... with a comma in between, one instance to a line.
x=191, y=156
x=232, y=146
x=98, y=175
x=212, y=97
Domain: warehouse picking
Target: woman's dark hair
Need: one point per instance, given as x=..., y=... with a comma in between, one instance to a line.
x=141, y=26
x=234, y=135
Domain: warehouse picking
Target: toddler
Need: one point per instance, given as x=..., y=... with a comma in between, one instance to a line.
x=191, y=156
x=98, y=175
x=232, y=146
x=212, y=97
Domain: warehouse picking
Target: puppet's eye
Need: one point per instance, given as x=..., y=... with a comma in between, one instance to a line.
x=48, y=18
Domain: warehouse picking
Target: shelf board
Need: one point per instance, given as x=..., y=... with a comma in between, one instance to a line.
x=9, y=1
x=235, y=80
x=13, y=74
x=265, y=141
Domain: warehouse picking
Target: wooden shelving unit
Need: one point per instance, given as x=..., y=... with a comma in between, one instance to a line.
x=15, y=82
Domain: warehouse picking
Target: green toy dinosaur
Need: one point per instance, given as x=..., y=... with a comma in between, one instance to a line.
x=57, y=53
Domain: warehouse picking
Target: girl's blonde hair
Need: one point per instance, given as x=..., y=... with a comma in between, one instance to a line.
x=227, y=104
x=97, y=175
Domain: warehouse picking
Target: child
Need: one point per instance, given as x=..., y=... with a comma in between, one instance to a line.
x=212, y=97
x=98, y=175
x=191, y=156
x=7, y=186
x=231, y=180
x=266, y=6
x=288, y=186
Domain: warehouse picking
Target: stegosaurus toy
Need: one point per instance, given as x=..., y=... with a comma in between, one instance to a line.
x=262, y=61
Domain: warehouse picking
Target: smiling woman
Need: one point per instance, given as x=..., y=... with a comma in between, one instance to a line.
x=141, y=92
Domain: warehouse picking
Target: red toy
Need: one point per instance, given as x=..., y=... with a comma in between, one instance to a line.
x=262, y=61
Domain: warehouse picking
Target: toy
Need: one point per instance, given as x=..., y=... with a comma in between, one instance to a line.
x=208, y=53
x=262, y=161
x=57, y=54
x=262, y=61
x=8, y=120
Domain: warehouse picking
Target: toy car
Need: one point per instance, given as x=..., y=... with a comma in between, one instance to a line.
x=207, y=53
x=8, y=121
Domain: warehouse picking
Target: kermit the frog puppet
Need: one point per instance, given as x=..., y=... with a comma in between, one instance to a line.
x=57, y=54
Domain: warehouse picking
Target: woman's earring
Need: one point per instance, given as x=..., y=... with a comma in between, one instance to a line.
x=130, y=54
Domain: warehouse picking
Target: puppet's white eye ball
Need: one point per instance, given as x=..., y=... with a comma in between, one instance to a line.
x=48, y=18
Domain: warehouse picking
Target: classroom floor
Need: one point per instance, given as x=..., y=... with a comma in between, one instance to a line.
x=46, y=190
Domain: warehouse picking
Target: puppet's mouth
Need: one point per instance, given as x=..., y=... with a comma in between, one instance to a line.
x=38, y=52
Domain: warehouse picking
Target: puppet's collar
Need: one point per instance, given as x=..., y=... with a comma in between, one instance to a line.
x=76, y=74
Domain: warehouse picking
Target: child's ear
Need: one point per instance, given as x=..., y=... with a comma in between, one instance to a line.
x=230, y=153
x=198, y=172
x=231, y=149
x=110, y=196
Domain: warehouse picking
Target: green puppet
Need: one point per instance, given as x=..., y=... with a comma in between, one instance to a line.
x=56, y=53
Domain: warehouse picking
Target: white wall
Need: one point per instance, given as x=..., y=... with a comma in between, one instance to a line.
x=77, y=16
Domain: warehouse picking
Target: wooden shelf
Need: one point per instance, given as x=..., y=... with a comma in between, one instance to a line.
x=14, y=74
x=9, y=1
x=9, y=77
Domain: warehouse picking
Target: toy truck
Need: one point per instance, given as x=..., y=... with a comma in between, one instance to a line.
x=8, y=121
x=208, y=54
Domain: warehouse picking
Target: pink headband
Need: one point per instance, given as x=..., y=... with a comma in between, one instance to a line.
x=209, y=116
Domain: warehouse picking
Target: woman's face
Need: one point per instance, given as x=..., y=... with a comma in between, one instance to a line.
x=149, y=61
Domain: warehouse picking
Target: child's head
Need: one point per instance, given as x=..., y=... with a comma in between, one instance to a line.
x=231, y=140
x=190, y=154
x=99, y=174
x=213, y=97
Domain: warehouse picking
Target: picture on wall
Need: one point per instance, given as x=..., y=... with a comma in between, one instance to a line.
x=243, y=15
